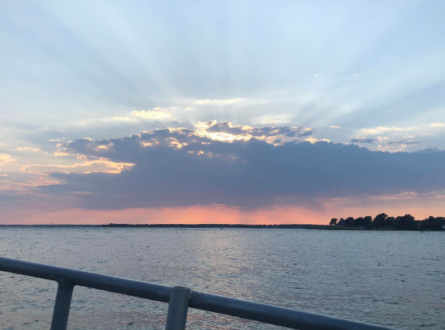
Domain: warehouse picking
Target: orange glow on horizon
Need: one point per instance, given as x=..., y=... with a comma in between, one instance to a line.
x=190, y=215
x=212, y=215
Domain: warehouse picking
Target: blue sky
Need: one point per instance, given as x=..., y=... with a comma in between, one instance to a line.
x=355, y=73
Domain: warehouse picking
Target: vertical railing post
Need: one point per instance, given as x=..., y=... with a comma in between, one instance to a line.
x=62, y=305
x=177, y=308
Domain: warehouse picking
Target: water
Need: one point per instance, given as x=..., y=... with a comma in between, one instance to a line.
x=394, y=279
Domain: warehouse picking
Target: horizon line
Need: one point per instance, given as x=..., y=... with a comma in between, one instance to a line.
x=158, y=225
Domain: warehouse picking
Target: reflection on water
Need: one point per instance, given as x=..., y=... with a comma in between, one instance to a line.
x=394, y=279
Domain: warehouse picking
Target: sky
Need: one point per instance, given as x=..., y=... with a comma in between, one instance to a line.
x=255, y=112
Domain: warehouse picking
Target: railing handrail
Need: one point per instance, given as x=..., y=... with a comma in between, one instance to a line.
x=68, y=278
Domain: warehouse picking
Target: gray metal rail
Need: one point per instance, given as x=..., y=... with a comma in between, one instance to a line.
x=179, y=299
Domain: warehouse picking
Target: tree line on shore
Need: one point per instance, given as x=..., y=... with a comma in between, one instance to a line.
x=383, y=221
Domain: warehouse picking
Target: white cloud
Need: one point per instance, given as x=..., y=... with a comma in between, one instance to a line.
x=381, y=129
x=335, y=127
x=220, y=101
x=61, y=153
x=274, y=120
x=314, y=140
x=28, y=149
x=437, y=125
x=125, y=119
x=154, y=114
x=5, y=158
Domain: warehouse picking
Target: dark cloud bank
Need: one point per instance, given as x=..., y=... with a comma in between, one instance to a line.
x=175, y=168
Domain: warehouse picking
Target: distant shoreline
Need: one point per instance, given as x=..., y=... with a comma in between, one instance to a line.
x=214, y=226
x=196, y=226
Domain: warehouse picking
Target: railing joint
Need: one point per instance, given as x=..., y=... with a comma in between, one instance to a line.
x=64, y=283
x=177, y=308
x=62, y=304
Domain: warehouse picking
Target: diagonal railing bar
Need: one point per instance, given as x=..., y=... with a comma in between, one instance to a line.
x=179, y=299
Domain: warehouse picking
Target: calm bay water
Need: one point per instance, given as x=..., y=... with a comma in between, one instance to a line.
x=395, y=279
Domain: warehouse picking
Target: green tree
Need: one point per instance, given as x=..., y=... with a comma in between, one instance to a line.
x=389, y=222
x=379, y=220
x=406, y=222
x=367, y=220
x=349, y=221
x=358, y=222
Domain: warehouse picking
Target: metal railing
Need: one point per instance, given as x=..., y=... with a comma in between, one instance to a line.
x=178, y=298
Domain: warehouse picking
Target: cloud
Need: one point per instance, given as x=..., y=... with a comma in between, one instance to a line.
x=182, y=168
x=395, y=139
x=315, y=140
x=26, y=186
x=407, y=143
x=364, y=140
x=220, y=101
x=385, y=142
x=129, y=119
x=226, y=131
x=60, y=153
x=382, y=129
x=335, y=127
x=275, y=119
x=155, y=114
x=5, y=158
x=100, y=165
x=28, y=149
